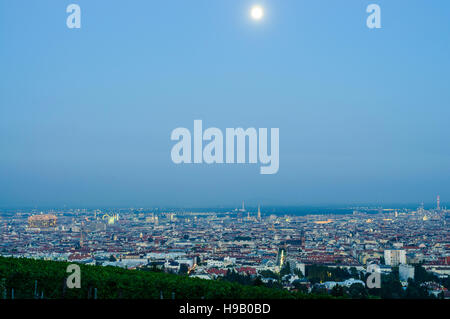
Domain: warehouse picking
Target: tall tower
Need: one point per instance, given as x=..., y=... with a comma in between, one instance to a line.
x=281, y=256
x=81, y=243
x=81, y=238
x=438, y=203
x=259, y=212
x=243, y=206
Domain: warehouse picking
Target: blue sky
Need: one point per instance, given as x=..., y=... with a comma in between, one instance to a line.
x=86, y=115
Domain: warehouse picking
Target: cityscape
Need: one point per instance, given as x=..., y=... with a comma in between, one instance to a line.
x=224, y=158
x=274, y=249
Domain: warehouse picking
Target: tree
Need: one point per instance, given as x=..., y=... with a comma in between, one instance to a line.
x=337, y=291
x=299, y=273
x=258, y=282
x=286, y=269
x=421, y=275
x=269, y=274
x=391, y=287
x=354, y=272
x=183, y=269
x=357, y=291
x=416, y=291
x=300, y=287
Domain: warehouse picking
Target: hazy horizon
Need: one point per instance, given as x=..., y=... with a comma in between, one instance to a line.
x=249, y=207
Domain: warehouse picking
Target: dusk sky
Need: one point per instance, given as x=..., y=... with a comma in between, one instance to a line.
x=86, y=114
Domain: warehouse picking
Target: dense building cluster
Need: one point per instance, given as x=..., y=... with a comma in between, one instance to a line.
x=210, y=244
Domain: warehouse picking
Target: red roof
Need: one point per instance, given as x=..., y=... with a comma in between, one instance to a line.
x=248, y=270
x=79, y=256
x=216, y=271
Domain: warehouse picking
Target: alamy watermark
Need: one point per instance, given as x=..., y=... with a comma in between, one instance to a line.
x=74, y=279
x=73, y=20
x=374, y=279
x=235, y=144
x=374, y=19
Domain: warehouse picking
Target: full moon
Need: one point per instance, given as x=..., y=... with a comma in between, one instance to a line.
x=257, y=12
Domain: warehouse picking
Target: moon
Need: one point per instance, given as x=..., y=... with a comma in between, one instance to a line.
x=257, y=12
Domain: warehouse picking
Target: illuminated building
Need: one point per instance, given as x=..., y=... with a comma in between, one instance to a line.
x=322, y=222
x=42, y=221
x=395, y=257
x=281, y=257
x=111, y=219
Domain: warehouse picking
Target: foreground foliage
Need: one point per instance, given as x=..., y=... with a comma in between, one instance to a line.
x=21, y=274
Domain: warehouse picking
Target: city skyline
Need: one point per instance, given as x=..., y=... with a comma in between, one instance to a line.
x=437, y=203
x=224, y=158
x=293, y=255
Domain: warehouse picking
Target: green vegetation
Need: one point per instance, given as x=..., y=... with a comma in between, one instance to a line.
x=32, y=278
x=113, y=282
x=319, y=273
